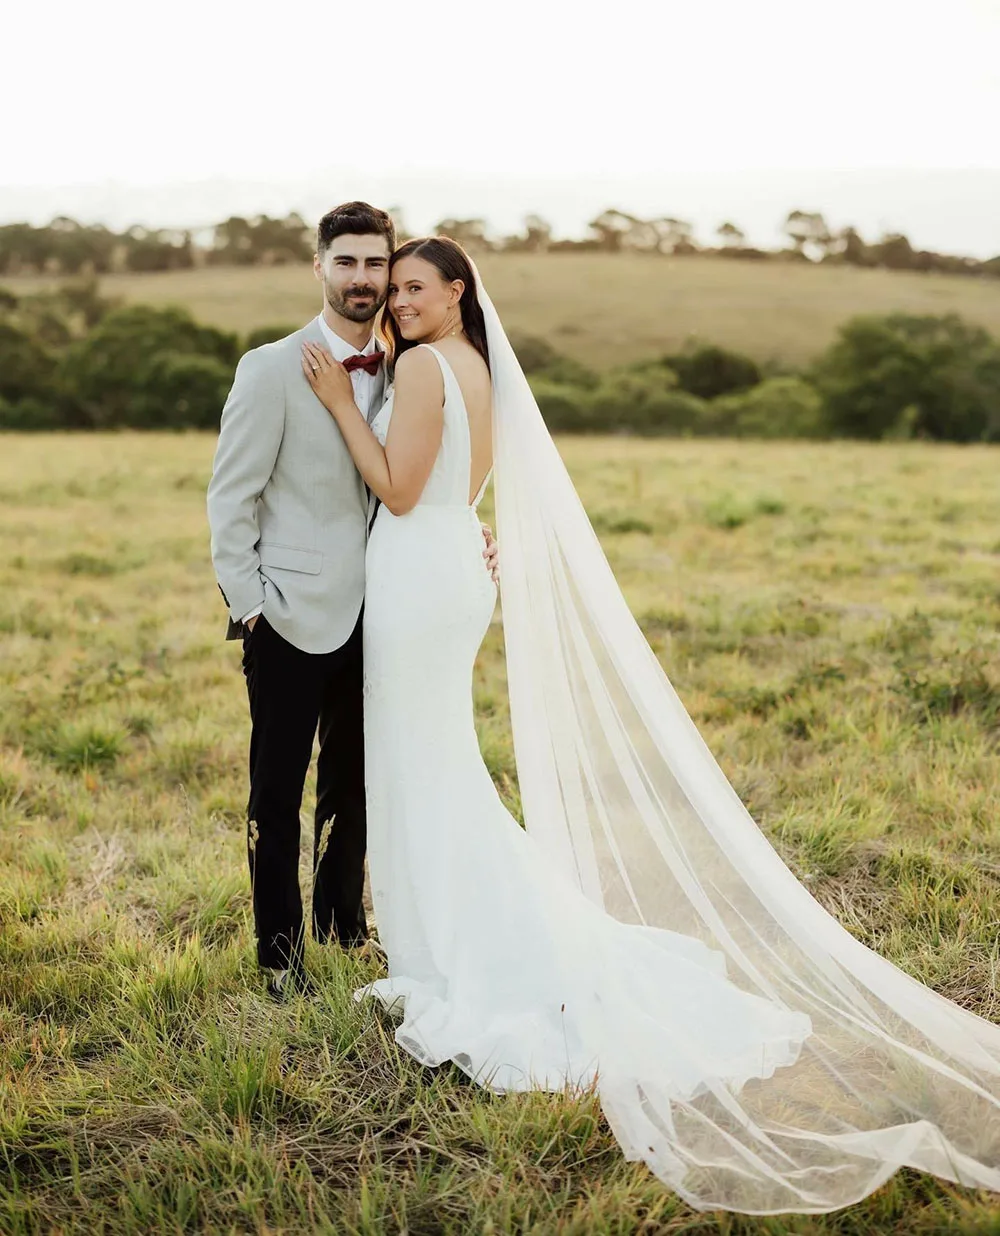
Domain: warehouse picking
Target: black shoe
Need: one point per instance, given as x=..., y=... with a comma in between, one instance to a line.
x=291, y=982
x=277, y=989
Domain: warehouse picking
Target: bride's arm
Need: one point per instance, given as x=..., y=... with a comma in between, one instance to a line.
x=398, y=472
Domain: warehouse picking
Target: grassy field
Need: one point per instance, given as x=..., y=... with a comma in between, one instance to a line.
x=830, y=614
x=606, y=310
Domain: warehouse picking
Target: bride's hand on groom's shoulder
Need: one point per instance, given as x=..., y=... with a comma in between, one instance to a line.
x=491, y=553
x=329, y=379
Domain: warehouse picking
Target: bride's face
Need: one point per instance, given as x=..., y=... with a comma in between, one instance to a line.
x=422, y=303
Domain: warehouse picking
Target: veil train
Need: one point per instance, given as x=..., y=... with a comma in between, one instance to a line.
x=619, y=788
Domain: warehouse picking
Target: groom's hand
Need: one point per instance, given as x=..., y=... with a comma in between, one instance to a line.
x=491, y=553
x=252, y=622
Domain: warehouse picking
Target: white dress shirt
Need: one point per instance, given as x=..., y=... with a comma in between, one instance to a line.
x=364, y=384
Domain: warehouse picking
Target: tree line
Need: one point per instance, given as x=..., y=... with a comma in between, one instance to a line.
x=66, y=247
x=71, y=358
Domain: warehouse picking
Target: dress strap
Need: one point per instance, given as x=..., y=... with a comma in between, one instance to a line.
x=463, y=418
x=448, y=377
x=446, y=369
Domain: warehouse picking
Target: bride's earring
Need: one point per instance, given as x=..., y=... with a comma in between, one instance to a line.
x=455, y=314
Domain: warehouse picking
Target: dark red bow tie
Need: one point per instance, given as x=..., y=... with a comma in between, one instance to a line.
x=369, y=364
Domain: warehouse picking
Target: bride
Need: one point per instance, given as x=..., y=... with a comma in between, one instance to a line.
x=639, y=934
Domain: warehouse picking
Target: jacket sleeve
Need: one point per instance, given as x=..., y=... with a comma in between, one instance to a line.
x=253, y=422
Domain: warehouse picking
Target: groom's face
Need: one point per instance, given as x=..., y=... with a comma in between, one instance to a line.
x=354, y=272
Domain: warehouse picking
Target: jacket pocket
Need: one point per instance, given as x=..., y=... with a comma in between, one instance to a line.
x=287, y=558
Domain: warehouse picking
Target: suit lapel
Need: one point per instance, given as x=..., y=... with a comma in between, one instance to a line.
x=313, y=334
x=378, y=386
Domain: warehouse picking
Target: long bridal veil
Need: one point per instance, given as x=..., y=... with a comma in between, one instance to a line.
x=619, y=788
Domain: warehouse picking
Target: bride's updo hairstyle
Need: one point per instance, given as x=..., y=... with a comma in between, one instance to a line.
x=451, y=262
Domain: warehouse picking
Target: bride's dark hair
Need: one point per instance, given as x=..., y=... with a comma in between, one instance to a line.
x=451, y=262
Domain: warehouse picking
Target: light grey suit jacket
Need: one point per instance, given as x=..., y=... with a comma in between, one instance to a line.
x=286, y=506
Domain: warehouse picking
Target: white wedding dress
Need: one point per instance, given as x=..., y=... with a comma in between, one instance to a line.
x=640, y=934
x=495, y=961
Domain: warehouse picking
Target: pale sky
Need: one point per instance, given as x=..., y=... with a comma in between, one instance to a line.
x=495, y=94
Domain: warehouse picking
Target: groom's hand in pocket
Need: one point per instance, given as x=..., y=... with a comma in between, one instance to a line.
x=491, y=553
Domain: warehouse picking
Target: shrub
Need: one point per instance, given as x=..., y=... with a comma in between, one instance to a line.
x=31, y=413
x=564, y=408
x=26, y=367
x=712, y=371
x=182, y=390
x=267, y=334
x=113, y=372
x=906, y=375
x=539, y=359
x=646, y=401
x=534, y=354
x=776, y=408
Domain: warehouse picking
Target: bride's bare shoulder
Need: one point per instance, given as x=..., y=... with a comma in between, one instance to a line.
x=417, y=367
x=418, y=384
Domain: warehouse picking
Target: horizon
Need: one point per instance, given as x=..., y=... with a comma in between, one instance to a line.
x=946, y=210
x=884, y=119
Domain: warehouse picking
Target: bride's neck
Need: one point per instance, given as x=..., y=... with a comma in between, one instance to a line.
x=447, y=330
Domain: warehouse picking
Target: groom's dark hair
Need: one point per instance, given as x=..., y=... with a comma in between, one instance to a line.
x=354, y=219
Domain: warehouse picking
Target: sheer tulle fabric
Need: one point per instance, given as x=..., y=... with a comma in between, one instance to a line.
x=622, y=793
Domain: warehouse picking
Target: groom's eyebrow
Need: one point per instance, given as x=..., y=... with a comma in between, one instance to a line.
x=350, y=257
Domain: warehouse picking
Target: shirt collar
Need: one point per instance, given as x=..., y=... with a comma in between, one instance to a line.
x=340, y=348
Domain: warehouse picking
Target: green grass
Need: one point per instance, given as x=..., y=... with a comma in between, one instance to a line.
x=830, y=614
x=604, y=309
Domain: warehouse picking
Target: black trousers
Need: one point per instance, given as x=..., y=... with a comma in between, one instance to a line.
x=291, y=693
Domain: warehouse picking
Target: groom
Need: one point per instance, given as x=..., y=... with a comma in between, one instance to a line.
x=289, y=517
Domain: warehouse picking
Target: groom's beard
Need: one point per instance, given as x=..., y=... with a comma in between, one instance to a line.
x=349, y=305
